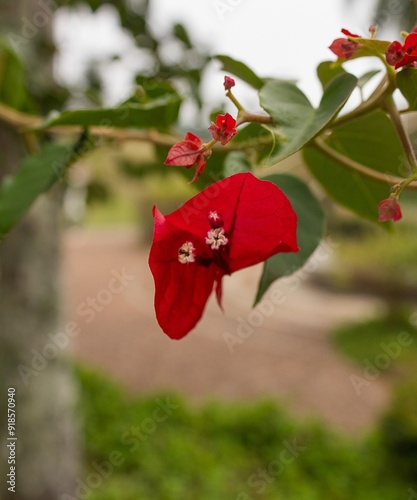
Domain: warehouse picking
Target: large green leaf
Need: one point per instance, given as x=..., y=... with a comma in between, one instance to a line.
x=257, y=140
x=407, y=83
x=327, y=70
x=310, y=231
x=371, y=141
x=36, y=175
x=299, y=122
x=159, y=113
x=239, y=69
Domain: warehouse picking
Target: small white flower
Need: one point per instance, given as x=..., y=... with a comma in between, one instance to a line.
x=186, y=253
x=216, y=238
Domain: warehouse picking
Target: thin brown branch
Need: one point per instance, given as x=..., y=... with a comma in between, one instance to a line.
x=359, y=167
x=23, y=121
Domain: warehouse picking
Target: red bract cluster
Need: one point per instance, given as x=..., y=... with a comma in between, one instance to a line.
x=400, y=55
x=234, y=223
x=389, y=209
x=187, y=153
x=224, y=128
x=343, y=47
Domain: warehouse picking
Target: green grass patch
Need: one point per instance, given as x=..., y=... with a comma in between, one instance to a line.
x=116, y=211
x=161, y=447
x=379, y=340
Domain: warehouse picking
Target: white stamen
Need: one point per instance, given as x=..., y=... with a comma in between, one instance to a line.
x=216, y=238
x=214, y=216
x=186, y=253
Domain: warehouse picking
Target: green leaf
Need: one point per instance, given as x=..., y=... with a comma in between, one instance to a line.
x=327, y=70
x=250, y=132
x=370, y=47
x=366, y=77
x=310, y=231
x=159, y=113
x=299, y=121
x=236, y=162
x=257, y=140
x=181, y=33
x=239, y=69
x=13, y=82
x=370, y=140
x=407, y=83
x=36, y=175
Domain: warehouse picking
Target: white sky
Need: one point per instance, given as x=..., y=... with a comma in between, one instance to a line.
x=274, y=37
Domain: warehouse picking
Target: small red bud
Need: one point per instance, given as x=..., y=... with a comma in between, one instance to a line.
x=389, y=209
x=215, y=219
x=228, y=83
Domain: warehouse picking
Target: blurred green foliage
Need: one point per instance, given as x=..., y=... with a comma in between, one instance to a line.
x=365, y=340
x=376, y=262
x=399, y=431
x=221, y=451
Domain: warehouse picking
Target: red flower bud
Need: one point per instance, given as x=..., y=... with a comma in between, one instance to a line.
x=228, y=83
x=215, y=219
x=389, y=209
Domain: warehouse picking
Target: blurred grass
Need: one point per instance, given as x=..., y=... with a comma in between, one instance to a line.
x=379, y=263
x=117, y=211
x=366, y=340
x=221, y=451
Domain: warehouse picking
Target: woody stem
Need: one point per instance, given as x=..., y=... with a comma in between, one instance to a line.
x=394, y=114
x=246, y=117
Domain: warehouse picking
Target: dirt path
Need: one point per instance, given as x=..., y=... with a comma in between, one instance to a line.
x=288, y=355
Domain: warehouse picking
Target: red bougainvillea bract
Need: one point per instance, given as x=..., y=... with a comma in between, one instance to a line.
x=343, y=47
x=187, y=153
x=233, y=224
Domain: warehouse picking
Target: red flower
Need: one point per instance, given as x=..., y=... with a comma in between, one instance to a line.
x=402, y=55
x=234, y=223
x=389, y=210
x=228, y=83
x=343, y=47
x=187, y=153
x=224, y=128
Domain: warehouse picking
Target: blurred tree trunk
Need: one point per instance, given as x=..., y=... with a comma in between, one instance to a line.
x=30, y=362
